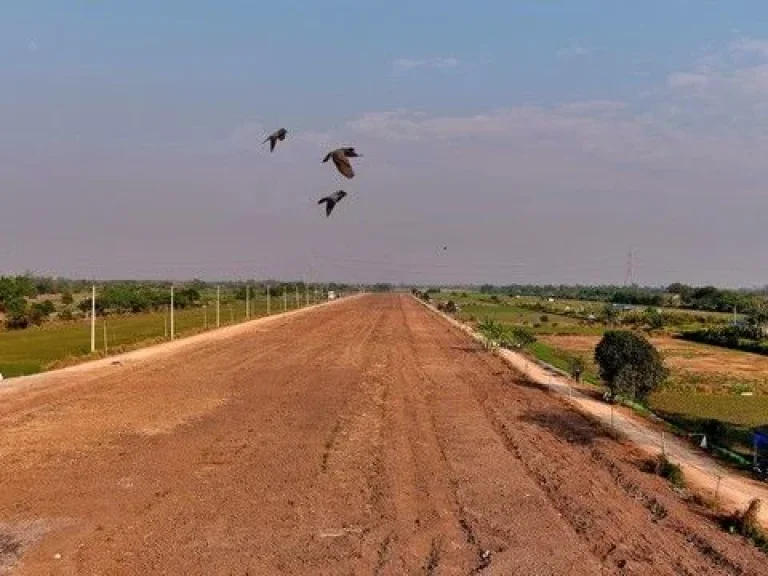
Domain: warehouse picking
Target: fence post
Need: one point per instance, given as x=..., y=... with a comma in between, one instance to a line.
x=717, y=492
x=173, y=325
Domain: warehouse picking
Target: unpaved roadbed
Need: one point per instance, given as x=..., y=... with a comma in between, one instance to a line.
x=368, y=437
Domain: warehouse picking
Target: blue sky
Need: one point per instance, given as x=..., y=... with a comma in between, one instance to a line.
x=552, y=135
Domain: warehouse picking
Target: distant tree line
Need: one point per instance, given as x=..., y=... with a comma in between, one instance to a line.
x=18, y=295
x=704, y=298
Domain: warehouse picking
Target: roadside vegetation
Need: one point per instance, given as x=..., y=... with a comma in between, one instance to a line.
x=713, y=388
x=45, y=322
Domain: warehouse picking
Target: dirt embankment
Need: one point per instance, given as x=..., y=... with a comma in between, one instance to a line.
x=368, y=437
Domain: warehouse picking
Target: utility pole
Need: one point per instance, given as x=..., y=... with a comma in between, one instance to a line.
x=298, y=298
x=93, y=318
x=269, y=303
x=306, y=294
x=173, y=326
x=285, y=299
x=247, y=302
x=218, y=306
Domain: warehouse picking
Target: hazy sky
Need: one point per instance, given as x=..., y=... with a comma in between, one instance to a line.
x=539, y=141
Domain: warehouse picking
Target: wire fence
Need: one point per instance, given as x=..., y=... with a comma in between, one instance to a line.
x=60, y=343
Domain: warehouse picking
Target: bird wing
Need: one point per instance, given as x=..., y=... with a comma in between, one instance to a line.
x=330, y=202
x=327, y=156
x=272, y=143
x=343, y=165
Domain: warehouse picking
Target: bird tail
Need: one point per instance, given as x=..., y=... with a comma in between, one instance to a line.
x=327, y=157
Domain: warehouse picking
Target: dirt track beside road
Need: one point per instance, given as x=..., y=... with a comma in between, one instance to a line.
x=367, y=437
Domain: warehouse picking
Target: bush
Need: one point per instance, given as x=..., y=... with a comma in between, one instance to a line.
x=492, y=331
x=522, y=336
x=747, y=524
x=576, y=367
x=543, y=318
x=662, y=466
x=67, y=298
x=654, y=319
x=40, y=311
x=715, y=430
x=66, y=314
x=629, y=365
x=746, y=338
x=16, y=314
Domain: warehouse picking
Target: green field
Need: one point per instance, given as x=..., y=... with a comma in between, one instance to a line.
x=706, y=382
x=475, y=307
x=40, y=348
x=562, y=317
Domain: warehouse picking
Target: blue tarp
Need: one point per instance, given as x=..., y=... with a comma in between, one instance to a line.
x=761, y=441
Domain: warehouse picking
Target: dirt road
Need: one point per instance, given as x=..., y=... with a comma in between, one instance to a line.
x=367, y=437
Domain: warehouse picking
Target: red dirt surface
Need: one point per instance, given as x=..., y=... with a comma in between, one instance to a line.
x=367, y=437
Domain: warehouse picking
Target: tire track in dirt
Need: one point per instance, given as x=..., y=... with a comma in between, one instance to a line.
x=553, y=444
x=478, y=499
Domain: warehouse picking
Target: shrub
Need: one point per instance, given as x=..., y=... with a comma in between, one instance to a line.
x=67, y=299
x=17, y=317
x=522, y=336
x=747, y=524
x=543, y=318
x=492, y=331
x=662, y=466
x=576, y=367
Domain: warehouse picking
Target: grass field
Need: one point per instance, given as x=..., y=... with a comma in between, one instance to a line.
x=39, y=348
x=476, y=307
x=564, y=316
x=706, y=382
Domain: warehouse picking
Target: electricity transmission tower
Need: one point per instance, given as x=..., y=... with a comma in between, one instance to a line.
x=629, y=277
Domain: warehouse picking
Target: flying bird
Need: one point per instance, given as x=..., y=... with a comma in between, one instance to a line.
x=274, y=137
x=340, y=159
x=331, y=201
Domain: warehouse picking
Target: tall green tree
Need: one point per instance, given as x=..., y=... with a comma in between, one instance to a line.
x=629, y=365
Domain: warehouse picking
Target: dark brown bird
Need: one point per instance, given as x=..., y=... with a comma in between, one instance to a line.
x=331, y=201
x=274, y=137
x=340, y=159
